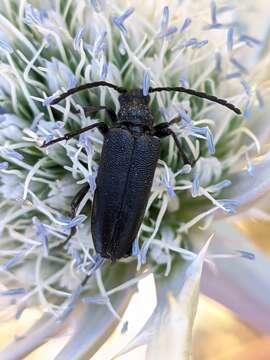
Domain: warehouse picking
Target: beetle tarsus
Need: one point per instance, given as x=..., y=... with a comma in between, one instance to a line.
x=99, y=261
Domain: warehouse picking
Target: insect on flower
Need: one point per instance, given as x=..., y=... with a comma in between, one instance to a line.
x=129, y=158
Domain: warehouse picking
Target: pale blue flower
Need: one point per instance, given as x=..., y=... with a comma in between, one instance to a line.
x=119, y=20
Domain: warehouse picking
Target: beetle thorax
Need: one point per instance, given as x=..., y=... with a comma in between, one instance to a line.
x=134, y=109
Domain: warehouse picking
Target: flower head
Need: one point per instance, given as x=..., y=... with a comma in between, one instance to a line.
x=50, y=50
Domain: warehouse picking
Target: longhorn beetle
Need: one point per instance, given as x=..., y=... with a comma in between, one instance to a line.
x=128, y=161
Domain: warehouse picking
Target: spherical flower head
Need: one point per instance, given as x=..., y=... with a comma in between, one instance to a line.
x=51, y=49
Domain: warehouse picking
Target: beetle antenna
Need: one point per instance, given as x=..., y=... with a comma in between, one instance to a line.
x=99, y=261
x=199, y=94
x=85, y=87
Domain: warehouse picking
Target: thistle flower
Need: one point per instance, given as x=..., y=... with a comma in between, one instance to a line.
x=47, y=48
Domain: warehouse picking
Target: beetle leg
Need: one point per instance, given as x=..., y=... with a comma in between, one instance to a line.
x=74, y=207
x=99, y=261
x=92, y=109
x=75, y=203
x=103, y=128
x=185, y=159
x=163, y=130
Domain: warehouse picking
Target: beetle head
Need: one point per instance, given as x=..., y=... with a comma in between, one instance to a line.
x=134, y=108
x=134, y=96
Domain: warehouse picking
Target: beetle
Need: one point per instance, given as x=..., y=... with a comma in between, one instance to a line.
x=129, y=157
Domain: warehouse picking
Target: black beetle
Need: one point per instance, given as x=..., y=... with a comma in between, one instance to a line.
x=129, y=158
